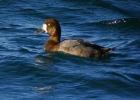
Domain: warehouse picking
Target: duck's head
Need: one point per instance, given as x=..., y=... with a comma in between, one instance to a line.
x=52, y=27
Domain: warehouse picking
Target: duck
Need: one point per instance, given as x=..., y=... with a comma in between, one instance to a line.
x=77, y=47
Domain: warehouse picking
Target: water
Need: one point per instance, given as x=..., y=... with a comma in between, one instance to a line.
x=29, y=73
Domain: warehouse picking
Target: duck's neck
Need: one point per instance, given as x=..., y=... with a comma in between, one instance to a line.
x=52, y=43
x=55, y=39
x=55, y=35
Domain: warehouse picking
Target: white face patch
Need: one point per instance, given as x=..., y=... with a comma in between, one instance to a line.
x=44, y=28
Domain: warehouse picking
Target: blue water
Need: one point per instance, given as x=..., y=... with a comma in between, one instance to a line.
x=27, y=72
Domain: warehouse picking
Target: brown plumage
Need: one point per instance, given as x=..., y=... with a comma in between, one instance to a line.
x=76, y=47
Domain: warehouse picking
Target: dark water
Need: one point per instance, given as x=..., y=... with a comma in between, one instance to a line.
x=29, y=73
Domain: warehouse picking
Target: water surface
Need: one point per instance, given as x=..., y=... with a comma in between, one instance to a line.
x=28, y=72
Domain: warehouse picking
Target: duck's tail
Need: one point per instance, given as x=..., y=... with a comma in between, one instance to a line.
x=103, y=52
x=107, y=50
x=111, y=49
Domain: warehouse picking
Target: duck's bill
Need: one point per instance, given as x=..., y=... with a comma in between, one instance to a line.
x=38, y=31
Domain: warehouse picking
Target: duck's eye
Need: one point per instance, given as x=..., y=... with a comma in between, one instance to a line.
x=49, y=24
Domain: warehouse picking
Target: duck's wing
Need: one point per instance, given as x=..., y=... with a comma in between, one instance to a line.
x=97, y=47
x=82, y=48
x=97, y=50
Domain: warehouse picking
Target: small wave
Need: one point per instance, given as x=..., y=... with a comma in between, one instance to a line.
x=119, y=75
x=123, y=21
x=25, y=50
x=135, y=42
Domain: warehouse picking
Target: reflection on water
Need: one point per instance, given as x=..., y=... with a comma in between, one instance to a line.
x=45, y=90
x=44, y=61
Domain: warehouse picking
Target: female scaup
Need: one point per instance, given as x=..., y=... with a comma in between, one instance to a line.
x=76, y=47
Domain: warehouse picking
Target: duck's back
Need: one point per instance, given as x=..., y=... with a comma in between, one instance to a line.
x=81, y=48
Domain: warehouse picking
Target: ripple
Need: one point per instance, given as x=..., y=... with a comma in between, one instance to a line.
x=135, y=77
